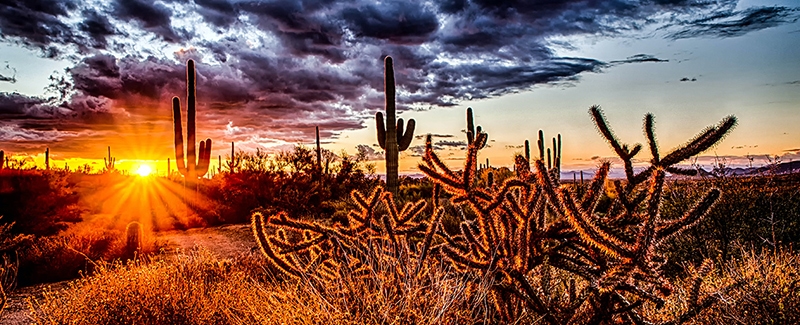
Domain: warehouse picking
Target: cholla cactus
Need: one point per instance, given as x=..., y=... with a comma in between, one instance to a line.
x=196, y=164
x=531, y=226
x=314, y=250
x=391, y=137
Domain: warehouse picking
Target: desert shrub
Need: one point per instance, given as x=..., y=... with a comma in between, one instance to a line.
x=755, y=211
x=74, y=252
x=38, y=202
x=199, y=289
x=288, y=182
x=764, y=288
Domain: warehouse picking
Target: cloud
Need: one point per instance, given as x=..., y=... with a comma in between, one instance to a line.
x=451, y=144
x=732, y=23
x=434, y=135
x=639, y=58
x=369, y=153
x=278, y=68
x=152, y=16
x=12, y=79
x=687, y=79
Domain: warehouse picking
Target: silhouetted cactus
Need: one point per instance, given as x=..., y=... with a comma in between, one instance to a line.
x=133, y=239
x=319, y=151
x=2, y=159
x=196, y=164
x=47, y=160
x=109, y=163
x=234, y=162
x=530, y=225
x=391, y=137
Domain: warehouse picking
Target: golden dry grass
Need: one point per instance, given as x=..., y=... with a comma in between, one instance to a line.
x=200, y=289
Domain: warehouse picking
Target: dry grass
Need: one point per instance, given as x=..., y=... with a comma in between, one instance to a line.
x=766, y=290
x=72, y=252
x=199, y=289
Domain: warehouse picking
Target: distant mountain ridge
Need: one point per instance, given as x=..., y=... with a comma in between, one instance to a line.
x=781, y=168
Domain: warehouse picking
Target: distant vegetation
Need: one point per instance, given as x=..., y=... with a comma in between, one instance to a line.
x=473, y=245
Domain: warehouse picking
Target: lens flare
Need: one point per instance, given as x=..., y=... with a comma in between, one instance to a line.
x=144, y=170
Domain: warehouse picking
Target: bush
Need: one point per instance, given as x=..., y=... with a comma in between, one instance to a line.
x=73, y=253
x=39, y=202
x=755, y=211
x=764, y=288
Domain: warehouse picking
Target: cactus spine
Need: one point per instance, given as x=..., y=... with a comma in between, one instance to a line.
x=196, y=164
x=390, y=133
x=110, y=161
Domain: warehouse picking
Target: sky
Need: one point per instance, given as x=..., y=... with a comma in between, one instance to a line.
x=79, y=76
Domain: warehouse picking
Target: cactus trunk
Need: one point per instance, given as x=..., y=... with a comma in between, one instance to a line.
x=319, y=152
x=47, y=159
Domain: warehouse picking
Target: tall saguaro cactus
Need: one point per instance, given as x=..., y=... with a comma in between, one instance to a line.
x=196, y=164
x=2, y=159
x=47, y=159
x=319, y=152
x=390, y=132
x=110, y=161
x=472, y=134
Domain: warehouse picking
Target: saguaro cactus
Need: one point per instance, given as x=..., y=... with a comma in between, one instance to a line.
x=2, y=159
x=110, y=161
x=196, y=165
x=47, y=159
x=133, y=239
x=234, y=161
x=553, y=154
x=319, y=152
x=390, y=135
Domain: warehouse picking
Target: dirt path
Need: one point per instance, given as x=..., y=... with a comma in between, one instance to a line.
x=224, y=242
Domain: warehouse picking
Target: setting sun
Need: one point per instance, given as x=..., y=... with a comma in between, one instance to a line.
x=144, y=170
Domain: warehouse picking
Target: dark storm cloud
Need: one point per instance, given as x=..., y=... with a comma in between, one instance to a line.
x=302, y=28
x=294, y=64
x=398, y=22
x=37, y=23
x=97, y=28
x=219, y=13
x=153, y=17
x=736, y=23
